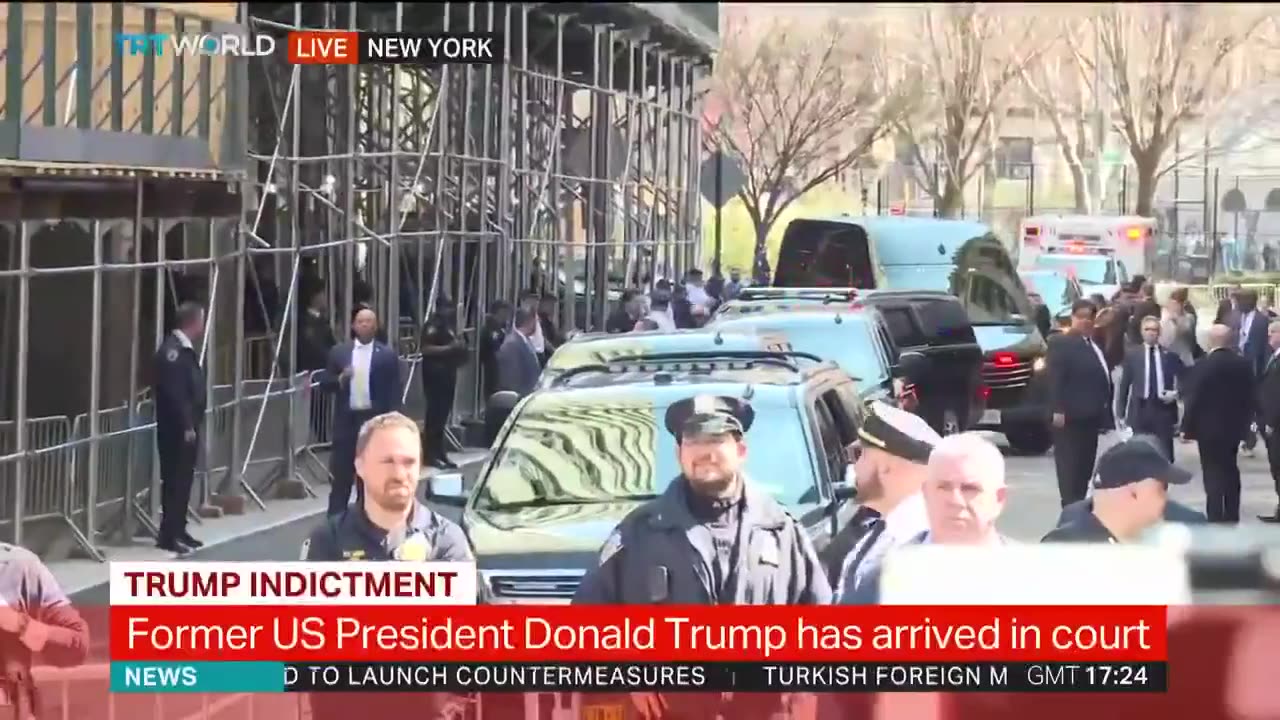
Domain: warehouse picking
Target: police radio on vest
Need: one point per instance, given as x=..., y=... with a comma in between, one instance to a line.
x=328, y=583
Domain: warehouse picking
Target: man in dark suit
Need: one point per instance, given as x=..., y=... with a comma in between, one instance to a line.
x=1080, y=398
x=1269, y=412
x=364, y=375
x=1217, y=416
x=1252, y=343
x=443, y=352
x=518, y=364
x=1148, y=396
x=179, y=390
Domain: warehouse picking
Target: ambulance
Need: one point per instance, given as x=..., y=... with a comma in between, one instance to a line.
x=1100, y=252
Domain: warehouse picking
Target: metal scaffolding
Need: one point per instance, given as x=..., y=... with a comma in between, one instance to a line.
x=571, y=167
x=568, y=167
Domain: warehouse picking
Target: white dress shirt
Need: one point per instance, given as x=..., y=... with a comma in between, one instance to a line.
x=536, y=341
x=1152, y=393
x=902, y=524
x=1246, y=322
x=361, y=362
x=1102, y=360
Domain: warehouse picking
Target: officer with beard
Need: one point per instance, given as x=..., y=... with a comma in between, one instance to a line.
x=891, y=459
x=711, y=538
x=389, y=524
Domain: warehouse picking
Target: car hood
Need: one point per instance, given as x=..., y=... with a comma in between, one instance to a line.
x=554, y=537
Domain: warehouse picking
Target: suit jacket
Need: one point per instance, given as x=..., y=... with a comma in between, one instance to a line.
x=1256, y=349
x=1269, y=393
x=518, y=365
x=1133, y=381
x=1079, y=385
x=1222, y=401
x=384, y=381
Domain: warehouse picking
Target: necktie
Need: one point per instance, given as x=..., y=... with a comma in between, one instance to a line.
x=874, y=532
x=1153, y=384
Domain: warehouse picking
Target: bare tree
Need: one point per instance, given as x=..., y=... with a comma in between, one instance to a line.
x=800, y=105
x=1164, y=64
x=971, y=56
x=1062, y=85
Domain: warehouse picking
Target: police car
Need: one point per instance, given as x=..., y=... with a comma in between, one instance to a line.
x=574, y=458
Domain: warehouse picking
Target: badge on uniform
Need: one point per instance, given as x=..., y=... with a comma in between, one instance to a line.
x=659, y=584
x=611, y=547
x=769, y=550
x=172, y=355
x=415, y=548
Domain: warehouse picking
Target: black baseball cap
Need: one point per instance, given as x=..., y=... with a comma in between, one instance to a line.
x=1135, y=460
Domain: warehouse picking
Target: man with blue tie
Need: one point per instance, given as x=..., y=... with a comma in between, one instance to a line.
x=1150, y=405
x=364, y=375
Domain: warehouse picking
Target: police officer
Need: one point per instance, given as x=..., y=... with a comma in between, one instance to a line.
x=442, y=353
x=35, y=618
x=179, y=406
x=1130, y=491
x=388, y=524
x=711, y=538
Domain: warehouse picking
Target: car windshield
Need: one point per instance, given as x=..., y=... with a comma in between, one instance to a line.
x=848, y=344
x=1087, y=269
x=1052, y=288
x=580, y=450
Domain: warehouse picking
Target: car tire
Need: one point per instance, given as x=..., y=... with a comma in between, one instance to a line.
x=1029, y=440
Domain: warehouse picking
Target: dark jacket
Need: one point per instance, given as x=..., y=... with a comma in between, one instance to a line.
x=1222, y=402
x=1079, y=386
x=518, y=365
x=385, y=389
x=1133, y=381
x=1174, y=512
x=178, y=387
x=1269, y=393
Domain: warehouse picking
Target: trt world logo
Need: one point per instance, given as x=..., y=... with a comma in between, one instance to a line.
x=196, y=45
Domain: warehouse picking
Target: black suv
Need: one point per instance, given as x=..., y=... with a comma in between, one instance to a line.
x=574, y=458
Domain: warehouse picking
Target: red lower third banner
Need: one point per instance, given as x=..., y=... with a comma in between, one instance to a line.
x=637, y=633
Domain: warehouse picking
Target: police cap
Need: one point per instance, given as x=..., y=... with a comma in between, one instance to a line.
x=1133, y=461
x=709, y=415
x=897, y=432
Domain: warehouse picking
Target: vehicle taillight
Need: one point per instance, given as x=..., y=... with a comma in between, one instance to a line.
x=1004, y=359
x=1032, y=235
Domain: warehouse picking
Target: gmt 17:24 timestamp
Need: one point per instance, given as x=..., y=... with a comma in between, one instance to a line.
x=1101, y=677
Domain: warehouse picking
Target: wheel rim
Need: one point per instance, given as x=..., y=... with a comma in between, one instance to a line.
x=950, y=423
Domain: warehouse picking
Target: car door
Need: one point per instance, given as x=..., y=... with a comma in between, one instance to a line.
x=841, y=432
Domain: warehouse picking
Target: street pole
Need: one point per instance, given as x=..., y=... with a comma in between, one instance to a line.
x=719, y=228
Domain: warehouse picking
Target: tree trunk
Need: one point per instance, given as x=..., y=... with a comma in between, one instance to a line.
x=949, y=203
x=762, y=243
x=1145, y=168
x=1080, y=183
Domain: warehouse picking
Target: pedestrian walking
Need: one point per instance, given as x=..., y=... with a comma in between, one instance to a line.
x=889, y=465
x=180, y=400
x=711, y=538
x=1080, y=399
x=1269, y=413
x=1147, y=396
x=364, y=375
x=443, y=352
x=1130, y=491
x=388, y=524
x=1217, y=415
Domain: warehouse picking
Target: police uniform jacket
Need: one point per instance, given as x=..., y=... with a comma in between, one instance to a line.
x=352, y=536
x=179, y=386
x=661, y=554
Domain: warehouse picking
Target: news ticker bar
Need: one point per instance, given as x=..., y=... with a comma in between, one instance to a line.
x=349, y=48
x=273, y=677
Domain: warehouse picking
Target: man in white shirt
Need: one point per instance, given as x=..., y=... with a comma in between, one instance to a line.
x=890, y=461
x=530, y=301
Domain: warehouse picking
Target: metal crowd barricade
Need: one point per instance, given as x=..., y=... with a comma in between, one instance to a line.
x=318, y=424
x=1266, y=291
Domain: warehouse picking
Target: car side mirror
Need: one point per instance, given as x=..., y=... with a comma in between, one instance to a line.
x=913, y=367
x=447, y=488
x=847, y=488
